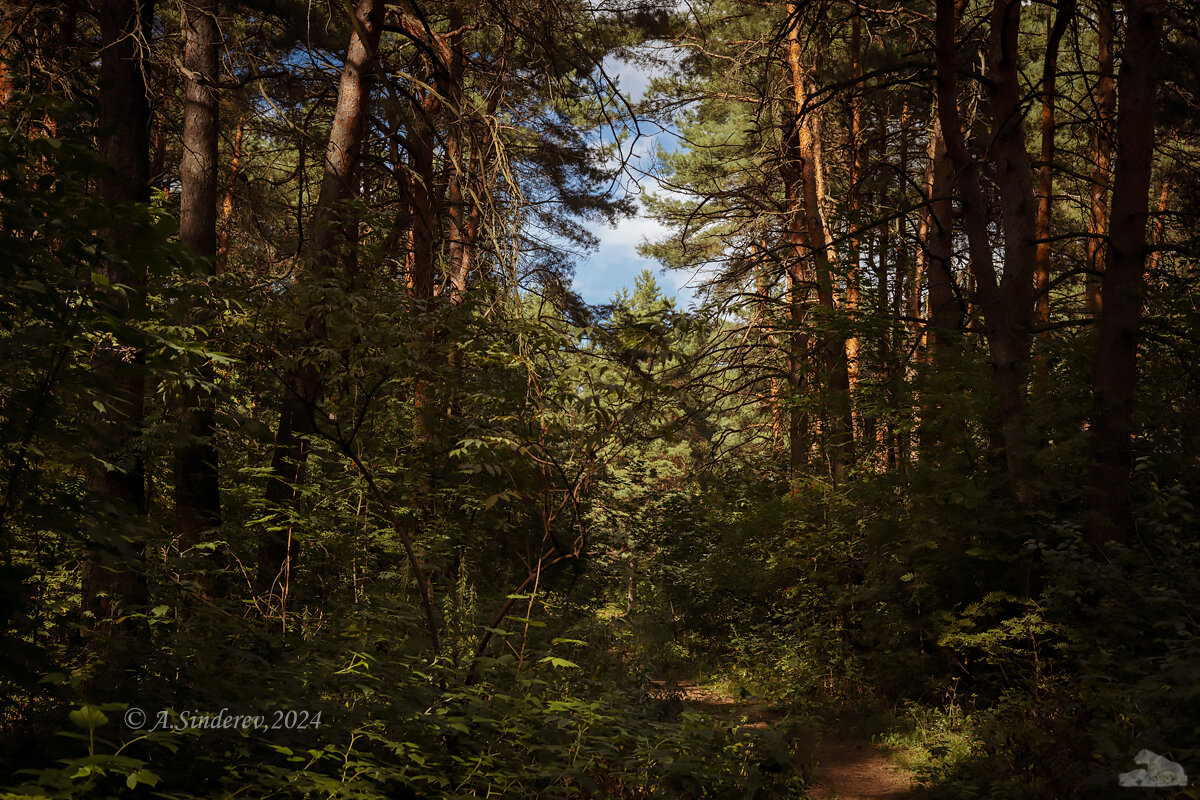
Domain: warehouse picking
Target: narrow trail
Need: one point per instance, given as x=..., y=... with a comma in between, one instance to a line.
x=848, y=768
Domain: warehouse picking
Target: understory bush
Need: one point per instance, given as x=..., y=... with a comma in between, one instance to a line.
x=381, y=721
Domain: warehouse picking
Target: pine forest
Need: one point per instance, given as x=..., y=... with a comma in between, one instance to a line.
x=324, y=474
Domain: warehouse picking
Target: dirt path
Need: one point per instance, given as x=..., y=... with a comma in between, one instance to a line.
x=847, y=768
x=850, y=770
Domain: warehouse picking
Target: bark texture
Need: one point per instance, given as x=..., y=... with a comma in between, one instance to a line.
x=945, y=311
x=1124, y=280
x=1005, y=302
x=1106, y=104
x=116, y=481
x=805, y=146
x=1045, y=200
x=197, y=486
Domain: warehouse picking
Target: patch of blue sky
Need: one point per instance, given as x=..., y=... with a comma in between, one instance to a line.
x=616, y=263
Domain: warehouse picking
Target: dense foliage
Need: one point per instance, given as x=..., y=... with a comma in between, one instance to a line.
x=319, y=480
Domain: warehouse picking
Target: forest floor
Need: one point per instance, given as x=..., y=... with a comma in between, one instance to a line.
x=848, y=767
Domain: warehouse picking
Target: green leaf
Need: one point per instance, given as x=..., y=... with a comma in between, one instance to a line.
x=555, y=661
x=88, y=717
x=141, y=776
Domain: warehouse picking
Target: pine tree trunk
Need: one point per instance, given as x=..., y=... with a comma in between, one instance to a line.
x=1013, y=304
x=461, y=210
x=797, y=291
x=118, y=365
x=910, y=276
x=1124, y=281
x=854, y=194
x=1045, y=200
x=884, y=443
x=197, y=486
x=1160, y=227
x=424, y=241
x=945, y=311
x=302, y=388
x=1005, y=304
x=1106, y=104
x=807, y=145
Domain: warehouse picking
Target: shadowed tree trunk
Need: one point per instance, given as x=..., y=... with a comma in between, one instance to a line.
x=425, y=215
x=883, y=346
x=461, y=211
x=197, y=487
x=945, y=311
x=854, y=195
x=798, y=444
x=762, y=321
x=1041, y=271
x=302, y=389
x=1124, y=281
x=116, y=480
x=1106, y=104
x=1010, y=306
x=1005, y=302
x=798, y=282
x=910, y=277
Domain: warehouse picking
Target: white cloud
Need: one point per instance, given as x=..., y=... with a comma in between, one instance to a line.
x=616, y=263
x=631, y=78
x=631, y=232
